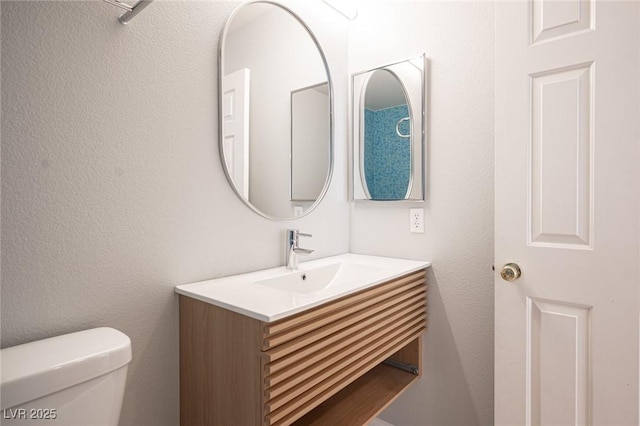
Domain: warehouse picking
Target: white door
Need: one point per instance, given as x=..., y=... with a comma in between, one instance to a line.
x=567, y=212
x=235, y=104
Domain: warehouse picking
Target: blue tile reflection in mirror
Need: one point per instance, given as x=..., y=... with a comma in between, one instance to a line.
x=388, y=139
x=387, y=149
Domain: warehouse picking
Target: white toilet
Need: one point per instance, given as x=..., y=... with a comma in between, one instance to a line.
x=73, y=379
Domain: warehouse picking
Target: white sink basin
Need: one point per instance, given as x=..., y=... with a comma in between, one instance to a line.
x=304, y=281
x=276, y=293
x=310, y=278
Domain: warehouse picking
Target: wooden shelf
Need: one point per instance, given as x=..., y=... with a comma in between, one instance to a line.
x=362, y=400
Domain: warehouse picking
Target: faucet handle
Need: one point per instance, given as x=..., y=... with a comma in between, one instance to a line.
x=293, y=234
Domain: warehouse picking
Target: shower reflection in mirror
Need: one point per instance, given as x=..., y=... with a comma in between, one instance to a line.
x=388, y=139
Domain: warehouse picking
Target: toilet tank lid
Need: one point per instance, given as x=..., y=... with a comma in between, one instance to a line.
x=39, y=368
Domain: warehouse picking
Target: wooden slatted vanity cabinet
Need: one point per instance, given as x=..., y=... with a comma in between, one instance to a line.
x=339, y=363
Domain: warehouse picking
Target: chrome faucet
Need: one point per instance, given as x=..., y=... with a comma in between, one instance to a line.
x=294, y=249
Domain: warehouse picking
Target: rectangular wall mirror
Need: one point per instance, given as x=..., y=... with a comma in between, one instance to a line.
x=309, y=132
x=389, y=132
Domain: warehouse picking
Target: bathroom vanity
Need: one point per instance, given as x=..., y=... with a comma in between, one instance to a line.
x=331, y=343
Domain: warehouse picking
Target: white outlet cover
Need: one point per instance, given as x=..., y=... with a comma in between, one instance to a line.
x=416, y=221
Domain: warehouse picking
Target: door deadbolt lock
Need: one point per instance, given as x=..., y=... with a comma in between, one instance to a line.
x=510, y=272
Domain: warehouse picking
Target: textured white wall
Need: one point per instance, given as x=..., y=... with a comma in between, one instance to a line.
x=112, y=188
x=457, y=383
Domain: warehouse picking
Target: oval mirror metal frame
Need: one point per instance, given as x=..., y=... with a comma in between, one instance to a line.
x=221, y=51
x=363, y=104
x=416, y=103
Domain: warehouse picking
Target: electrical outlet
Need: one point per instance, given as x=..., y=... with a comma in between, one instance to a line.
x=297, y=211
x=416, y=221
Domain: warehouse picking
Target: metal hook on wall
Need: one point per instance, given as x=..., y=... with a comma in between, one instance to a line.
x=402, y=135
x=131, y=11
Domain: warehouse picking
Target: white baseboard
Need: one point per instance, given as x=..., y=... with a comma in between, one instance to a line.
x=379, y=422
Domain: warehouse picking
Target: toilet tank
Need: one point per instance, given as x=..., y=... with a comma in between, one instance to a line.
x=73, y=379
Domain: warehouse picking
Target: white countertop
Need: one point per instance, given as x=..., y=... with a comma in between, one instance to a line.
x=245, y=294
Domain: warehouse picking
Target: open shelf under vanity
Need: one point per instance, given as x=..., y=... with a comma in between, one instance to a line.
x=362, y=400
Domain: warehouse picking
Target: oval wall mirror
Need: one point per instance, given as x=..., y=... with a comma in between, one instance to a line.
x=275, y=111
x=388, y=138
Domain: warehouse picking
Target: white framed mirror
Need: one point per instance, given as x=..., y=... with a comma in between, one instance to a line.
x=275, y=111
x=389, y=132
